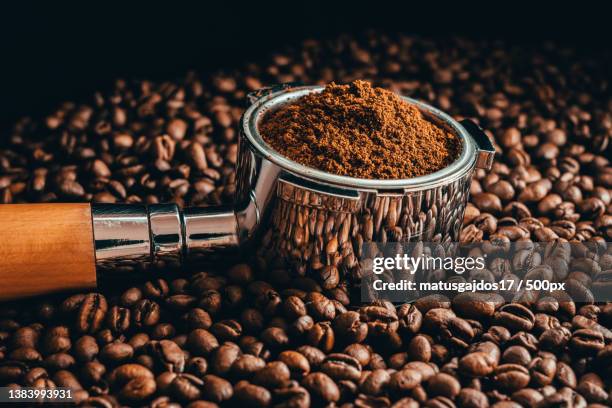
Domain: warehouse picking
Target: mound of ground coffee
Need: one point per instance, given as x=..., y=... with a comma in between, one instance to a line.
x=360, y=131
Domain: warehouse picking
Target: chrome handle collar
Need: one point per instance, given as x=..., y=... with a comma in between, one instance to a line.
x=133, y=237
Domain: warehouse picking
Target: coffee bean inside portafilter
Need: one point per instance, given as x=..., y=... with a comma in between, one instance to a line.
x=231, y=337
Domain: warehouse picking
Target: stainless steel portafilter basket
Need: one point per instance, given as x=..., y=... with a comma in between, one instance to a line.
x=307, y=221
x=306, y=218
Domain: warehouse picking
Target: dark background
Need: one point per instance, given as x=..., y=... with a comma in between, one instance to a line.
x=52, y=52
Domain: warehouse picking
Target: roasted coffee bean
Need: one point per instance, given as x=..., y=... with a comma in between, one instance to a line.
x=92, y=372
x=321, y=387
x=224, y=357
x=251, y=395
x=186, y=387
x=197, y=318
x=471, y=398
x=168, y=354
x=527, y=397
x=292, y=396
x=516, y=355
x=116, y=352
x=419, y=349
x=341, y=367
x=145, y=313
x=375, y=382
x=138, y=389
x=359, y=352
x=410, y=318
x=118, y=319
x=511, y=377
x=156, y=289
x=226, y=330
x=320, y=307
x=380, y=319
x=302, y=325
x=543, y=369
x=587, y=341
x=476, y=364
x=515, y=317
x=294, y=307
x=274, y=374
x=197, y=366
x=349, y=327
x=216, y=389
x=322, y=335
x=443, y=384
x=91, y=311
x=275, y=337
x=201, y=342
x=297, y=363
x=406, y=379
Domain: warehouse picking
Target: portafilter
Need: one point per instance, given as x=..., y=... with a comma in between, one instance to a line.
x=298, y=220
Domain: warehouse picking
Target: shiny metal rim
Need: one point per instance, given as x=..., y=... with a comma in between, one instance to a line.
x=464, y=163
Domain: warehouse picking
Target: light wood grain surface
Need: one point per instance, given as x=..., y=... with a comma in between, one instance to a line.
x=45, y=248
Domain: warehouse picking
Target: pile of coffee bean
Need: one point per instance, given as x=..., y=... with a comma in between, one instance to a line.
x=228, y=338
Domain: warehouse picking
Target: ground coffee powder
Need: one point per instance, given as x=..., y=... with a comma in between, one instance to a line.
x=360, y=131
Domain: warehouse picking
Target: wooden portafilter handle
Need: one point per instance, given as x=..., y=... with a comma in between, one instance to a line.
x=47, y=248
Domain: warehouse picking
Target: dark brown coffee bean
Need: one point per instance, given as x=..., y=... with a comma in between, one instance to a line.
x=168, y=354
x=436, y=319
x=527, y=397
x=587, y=341
x=404, y=380
x=321, y=387
x=419, y=349
x=131, y=296
x=197, y=366
x=274, y=374
x=292, y=396
x=488, y=202
x=511, y=377
x=410, y=318
x=198, y=318
x=349, y=327
x=443, y=384
x=145, y=313
x=543, y=369
x=302, y=325
x=186, y=387
x=247, y=365
x=118, y=319
x=359, y=352
x=252, y=395
x=156, y=289
x=127, y=372
x=297, y=363
x=216, y=389
x=116, y=352
x=224, y=357
x=320, y=307
x=201, y=342
x=138, y=389
x=91, y=312
x=516, y=355
x=227, y=330
x=341, y=367
x=275, y=337
x=471, y=398
x=294, y=307
x=515, y=317
x=322, y=335
x=25, y=337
